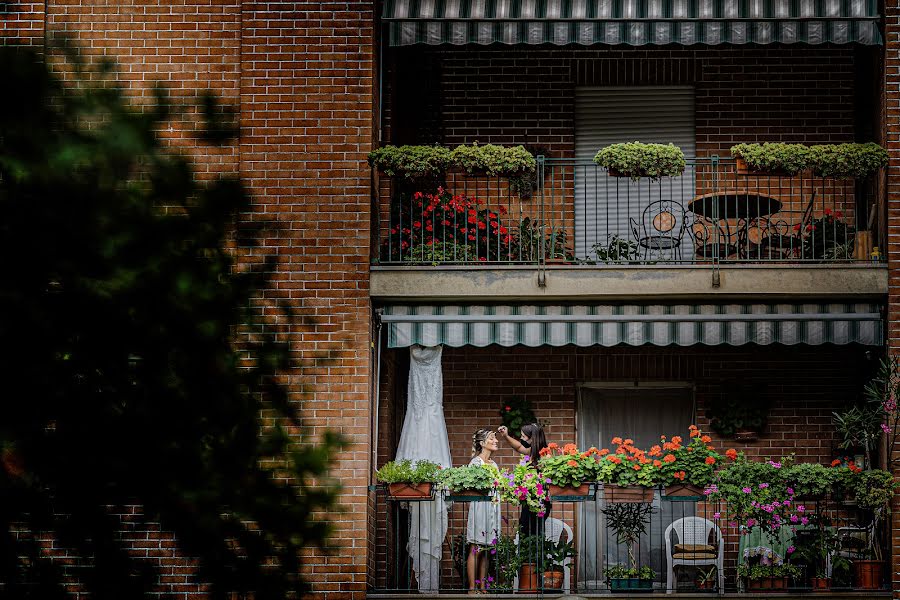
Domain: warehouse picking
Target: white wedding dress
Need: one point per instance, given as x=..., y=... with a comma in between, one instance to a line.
x=424, y=437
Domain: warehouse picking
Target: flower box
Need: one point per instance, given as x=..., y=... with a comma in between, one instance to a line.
x=411, y=490
x=867, y=574
x=472, y=495
x=767, y=583
x=620, y=495
x=820, y=584
x=632, y=584
x=744, y=169
x=683, y=490
x=557, y=491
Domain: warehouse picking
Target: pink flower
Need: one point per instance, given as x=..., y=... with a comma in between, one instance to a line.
x=885, y=428
x=790, y=491
x=804, y=521
x=716, y=515
x=790, y=549
x=746, y=490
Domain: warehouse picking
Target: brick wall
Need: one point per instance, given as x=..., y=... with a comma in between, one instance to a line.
x=301, y=76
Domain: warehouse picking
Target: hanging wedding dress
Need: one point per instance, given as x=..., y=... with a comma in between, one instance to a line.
x=424, y=437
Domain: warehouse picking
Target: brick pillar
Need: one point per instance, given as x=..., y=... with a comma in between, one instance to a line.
x=307, y=98
x=891, y=129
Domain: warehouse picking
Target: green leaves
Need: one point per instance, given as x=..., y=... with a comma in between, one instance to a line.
x=637, y=160
x=478, y=478
x=415, y=162
x=826, y=160
x=407, y=471
x=775, y=158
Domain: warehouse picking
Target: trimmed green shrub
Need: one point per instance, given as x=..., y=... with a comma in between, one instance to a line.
x=411, y=162
x=405, y=471
x=492, y=160
x=636, y=160
x=847, y=160
x=775, y=158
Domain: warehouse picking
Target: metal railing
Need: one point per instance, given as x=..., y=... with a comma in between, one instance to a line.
x=575, y=212
x=685, y=543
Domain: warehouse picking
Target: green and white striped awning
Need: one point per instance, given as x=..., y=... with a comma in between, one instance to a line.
x=632, y=22
x=633, y=325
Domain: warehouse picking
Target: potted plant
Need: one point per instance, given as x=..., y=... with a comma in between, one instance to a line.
x=628, y=523
x=411, y=162
x=770, y=158
x=738, y=414
x=569, y=471
x=637, y=160
x=555, y=556
x=409, y=480
x=810, y=481
x=847, y=160
x=686, y=469
x=767, y=577
x=475, y=481
x=492, y=160
x=529, y=559
x=526, y=184
x=818, y=548
x=617, y=250
x=556, y=250
x=515, y=413
x=828, y=237
x=874, y=491
x=524, y=485
x=706, y=579
x=859, y=427
x=627, y=474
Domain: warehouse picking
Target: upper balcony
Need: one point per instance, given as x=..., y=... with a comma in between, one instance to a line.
x=573, y=231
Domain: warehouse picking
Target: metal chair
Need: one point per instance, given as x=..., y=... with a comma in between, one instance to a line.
x=779, y=241
x=692, y=548
x=661, y=228
x=712, y=239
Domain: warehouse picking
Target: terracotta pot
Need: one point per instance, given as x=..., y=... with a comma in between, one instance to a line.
x=768, y=583
x=707, y=586
x=410, y=490
x=557, y=491
x=528, y=578
x=553, y=580
x=868, y=574
x=820, y=584
x=744, y=169
x=620, y=495
x=680, y=490
x=746, y=435
x=470, y=494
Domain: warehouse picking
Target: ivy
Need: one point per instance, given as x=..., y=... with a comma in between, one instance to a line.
x=637, y=160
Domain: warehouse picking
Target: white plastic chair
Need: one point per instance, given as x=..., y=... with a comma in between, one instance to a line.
x=693, y=530
x=860, y=533
x=553, y=530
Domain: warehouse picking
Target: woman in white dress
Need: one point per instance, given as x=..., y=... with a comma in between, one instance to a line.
x=483, y=526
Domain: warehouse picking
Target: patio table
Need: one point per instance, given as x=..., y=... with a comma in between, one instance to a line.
x=743, y=206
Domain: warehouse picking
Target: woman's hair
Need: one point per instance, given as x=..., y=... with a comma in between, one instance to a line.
x=478, y=440
x=536, y=438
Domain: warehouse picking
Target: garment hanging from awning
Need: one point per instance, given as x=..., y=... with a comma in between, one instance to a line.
x=631, y=22
x=633, y=325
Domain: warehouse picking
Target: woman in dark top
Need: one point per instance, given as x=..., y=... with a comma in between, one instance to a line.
x=531, y=444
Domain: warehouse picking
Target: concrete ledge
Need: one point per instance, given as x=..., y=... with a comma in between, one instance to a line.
x=630, y=283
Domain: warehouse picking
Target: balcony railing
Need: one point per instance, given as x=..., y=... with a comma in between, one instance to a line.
x=575, y=212
x=687, y=543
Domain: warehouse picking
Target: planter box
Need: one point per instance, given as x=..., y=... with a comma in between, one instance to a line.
x=471, y=495
x=868, y=574
x=746, y=435
x=767, y=583
x=820, y=584
x=410, y=491
x=683, y=490
x=631, y=585
x=744, y=169
x=557, y=491
x=621, y=495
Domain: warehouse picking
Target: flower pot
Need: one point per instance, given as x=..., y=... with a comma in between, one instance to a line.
x=820, y=584
x=557, y=491
x=746, y=435
x=744, y=169
x=410, y=490
x=680, y=490
x=767, y=583
x=475, y=494
x=528, y=578
x=633, y=493
x=631, y=585
x=868, y=574
x=706, y=586
x=553, y=580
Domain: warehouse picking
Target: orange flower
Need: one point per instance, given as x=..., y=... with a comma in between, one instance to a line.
x=655, y=451
x=669, y=446
x=835, y=462
x=669, y=458
x=593, y=450
x=662, y=438
x=572, y=463
x=643, y=460
x=710, y=448
x=614, y=459
x=617, y=441
x=706, y=439
x=676, y=439
x=545, y=451
x=636, y=467
x=680, y=475
x=603, y=452
x=657, y=463
x=570, y=449
x=731, y=453
x=695, y=432
x=692, y=428
x=553, y=445
x=710, y=460
x=628, y=442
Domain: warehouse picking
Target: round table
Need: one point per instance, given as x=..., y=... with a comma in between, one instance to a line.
x=734, y=204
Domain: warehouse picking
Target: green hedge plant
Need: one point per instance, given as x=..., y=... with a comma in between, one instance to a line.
x=410, y=162
x=406, y=471
x=773, y=158
x=637, y=160
x=493, y=160
x=847, y=160
x=478, y=478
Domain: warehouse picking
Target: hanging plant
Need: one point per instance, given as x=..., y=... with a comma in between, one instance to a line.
x=517, y=412
x=847, y=160
x=771, y=158
x=410, y=162
x=637, y=160
x=492, y=160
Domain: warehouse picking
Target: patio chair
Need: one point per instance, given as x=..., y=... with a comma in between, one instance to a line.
x=692, y=548
x=853, y=540
x=661, y=228
x=553, y=530
x=707, y=244
x=782, y=240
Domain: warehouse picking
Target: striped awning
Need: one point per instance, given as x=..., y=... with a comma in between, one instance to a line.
x=633, y=325
x=632, y=22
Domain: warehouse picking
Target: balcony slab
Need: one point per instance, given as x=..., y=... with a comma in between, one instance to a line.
x=573, y=283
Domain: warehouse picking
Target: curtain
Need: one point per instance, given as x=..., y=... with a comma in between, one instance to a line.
x=424, y=437
x=642, y=414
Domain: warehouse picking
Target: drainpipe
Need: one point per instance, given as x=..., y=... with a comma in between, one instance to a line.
x=716, y=276
x=542, y=265
x=377, y=403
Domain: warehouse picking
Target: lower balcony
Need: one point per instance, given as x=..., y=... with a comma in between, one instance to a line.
x=684, y=545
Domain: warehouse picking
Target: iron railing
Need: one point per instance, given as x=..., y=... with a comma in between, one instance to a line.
x=574, y=212
x=687, y=543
